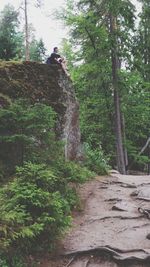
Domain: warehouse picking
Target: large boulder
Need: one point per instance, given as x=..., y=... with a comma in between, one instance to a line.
x=46, y=84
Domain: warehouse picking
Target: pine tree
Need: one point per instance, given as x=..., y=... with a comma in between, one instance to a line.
x=38, y=3
x=11, y=40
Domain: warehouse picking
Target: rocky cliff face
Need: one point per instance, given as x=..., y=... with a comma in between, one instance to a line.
x=46, y=84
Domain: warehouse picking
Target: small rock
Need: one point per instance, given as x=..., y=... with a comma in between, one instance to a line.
x=148, y=236
x=134, y=193
x=113, y=172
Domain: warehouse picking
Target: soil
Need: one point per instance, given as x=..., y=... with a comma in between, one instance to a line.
x=112, y=227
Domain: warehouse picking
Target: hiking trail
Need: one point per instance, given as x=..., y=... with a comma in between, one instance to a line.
x=113, y=227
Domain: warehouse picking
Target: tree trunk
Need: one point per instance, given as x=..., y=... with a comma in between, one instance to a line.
x=124, y=140
x=115, y=68
x=27, y=54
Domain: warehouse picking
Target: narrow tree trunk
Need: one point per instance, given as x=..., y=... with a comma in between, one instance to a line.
x=115, y=68
x=124, y=140
x=27, y=54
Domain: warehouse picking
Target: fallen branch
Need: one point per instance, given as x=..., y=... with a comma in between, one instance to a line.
x=145, y=146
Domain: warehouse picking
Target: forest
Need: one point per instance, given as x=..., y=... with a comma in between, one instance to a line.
x=108, y=57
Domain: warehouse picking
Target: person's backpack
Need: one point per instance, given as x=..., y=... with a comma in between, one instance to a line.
x=48, y=61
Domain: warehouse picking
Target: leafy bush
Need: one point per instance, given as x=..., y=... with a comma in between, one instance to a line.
x=95, y=160
x=34, y=209
x=12, y=261
x=27, y=133
x=74, y=172
x=138, y=161
x=3, y=262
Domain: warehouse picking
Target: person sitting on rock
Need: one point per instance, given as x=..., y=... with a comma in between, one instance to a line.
x=55, y=58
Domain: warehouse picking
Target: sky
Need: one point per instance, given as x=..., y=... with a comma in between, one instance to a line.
x=51, y=31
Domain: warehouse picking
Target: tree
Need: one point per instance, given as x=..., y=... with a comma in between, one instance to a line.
x=11, y=39
x=37, y=50
x=117, y=16
x=27, y=44
x=27, y=53
x=66, y=50
x=115, y=70
x=142, y=42
x=102, y=30
x=91, y=74
x=137, y=117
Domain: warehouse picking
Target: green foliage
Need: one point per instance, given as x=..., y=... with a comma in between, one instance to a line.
x=72, y=197
x=74, y=172
x=34, y=209
x=89, y=49
x=3, y=263
x=92, y=74
x=11, y=40
x=36, y=203
x=37, y=51
x=15, y=260
x=136, y=109
x=18, y=261
x=27, y=133
x=141, y=49
x=95, y=160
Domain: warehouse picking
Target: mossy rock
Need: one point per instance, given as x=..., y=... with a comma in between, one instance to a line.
x=46, y=84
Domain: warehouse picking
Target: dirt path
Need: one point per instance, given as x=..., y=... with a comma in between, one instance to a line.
x=113, y=229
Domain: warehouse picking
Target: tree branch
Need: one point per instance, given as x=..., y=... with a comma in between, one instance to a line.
x=92, y=40
x=145, y=146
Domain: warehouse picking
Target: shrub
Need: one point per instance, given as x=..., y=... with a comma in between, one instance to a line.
x=27, y=134
x=95, y=160
x=3, y=262
x=13, y=261
x=33, y=209
x=74, y=172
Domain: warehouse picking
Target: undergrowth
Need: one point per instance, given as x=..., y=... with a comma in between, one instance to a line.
x=38, y=186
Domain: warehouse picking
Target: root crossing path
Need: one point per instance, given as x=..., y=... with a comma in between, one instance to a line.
x=113, y=228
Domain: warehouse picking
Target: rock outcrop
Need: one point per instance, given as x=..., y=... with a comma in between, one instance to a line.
x=46, y=84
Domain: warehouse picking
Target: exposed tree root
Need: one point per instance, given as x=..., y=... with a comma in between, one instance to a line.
x=87, y=263
x=72, y=259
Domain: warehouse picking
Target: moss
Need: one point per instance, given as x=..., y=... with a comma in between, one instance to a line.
x=47, y=84
x=34, y=81
x=30, y=80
